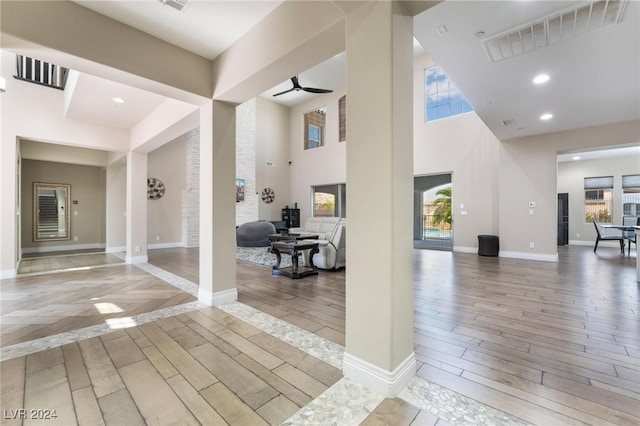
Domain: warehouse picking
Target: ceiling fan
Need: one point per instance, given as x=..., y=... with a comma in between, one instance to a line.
x=296, y=87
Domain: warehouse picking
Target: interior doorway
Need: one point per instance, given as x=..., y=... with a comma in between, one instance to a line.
x=433, y=221
x=563, y=219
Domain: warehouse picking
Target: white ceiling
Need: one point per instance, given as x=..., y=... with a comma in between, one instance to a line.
x=594, y=77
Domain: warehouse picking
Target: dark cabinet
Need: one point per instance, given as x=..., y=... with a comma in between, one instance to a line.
x=291, y=217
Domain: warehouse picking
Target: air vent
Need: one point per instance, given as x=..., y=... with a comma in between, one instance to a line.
x=270, y=163
x=40, y=72
x=178, y=5
x=553, y=29
x=508, y=122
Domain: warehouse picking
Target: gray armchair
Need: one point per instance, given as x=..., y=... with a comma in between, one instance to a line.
x=608, y=235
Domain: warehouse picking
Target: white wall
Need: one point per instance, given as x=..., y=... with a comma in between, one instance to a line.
x=318, y=166
x=571, y=176
x=116, y=208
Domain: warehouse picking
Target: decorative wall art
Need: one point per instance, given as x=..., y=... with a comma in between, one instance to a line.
x=155, y=189
x=239, y=190
x=268, y=195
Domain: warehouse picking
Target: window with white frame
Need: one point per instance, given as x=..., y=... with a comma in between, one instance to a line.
x=598, y=192
x=631, y=195
x=329, y=200
x=442, y=97
x=314, y=123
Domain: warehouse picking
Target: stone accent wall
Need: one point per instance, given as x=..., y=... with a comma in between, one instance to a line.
x=247, y=210
x=191, y=196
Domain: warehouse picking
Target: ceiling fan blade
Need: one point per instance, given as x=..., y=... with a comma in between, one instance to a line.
x=295, y=82
x=314, y=90
x=286, y=91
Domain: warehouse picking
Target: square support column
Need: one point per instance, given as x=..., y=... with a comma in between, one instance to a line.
x=136, y=207
x=379, y=277
x=217, y=203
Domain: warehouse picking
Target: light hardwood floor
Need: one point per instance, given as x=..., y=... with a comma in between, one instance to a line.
x=551, y=343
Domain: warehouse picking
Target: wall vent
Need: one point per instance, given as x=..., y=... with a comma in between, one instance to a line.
x=269, y=163
x=178, y=5
x=554, y=28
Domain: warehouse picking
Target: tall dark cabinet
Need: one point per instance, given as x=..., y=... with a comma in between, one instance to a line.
x=292, y=217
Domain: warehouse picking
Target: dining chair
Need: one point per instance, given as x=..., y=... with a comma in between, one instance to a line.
x=630, y=235
x=608, y=235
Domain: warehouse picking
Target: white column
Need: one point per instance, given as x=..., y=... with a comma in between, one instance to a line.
x=217, y=203
x=136, y=208
x=379, y=288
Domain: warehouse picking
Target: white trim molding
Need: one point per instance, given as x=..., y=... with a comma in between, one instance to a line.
x=218, y=298
x=136, y=259
x=49, y=249
x=464, y=249
x=6, y=274
x=165, y=245
x=387, y=383
x=529, y=256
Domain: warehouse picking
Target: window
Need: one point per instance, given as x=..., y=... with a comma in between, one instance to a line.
x=342, y=119
x=314, y=122
x=329, y=200
x=631, y=195
x=597, y=198
x=443, y=98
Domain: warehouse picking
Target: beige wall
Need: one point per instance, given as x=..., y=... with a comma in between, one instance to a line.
x=87, y=187
x=272, y=144
x=116, y=208
x=571, y=176
x=318, y=166
x=164, y=216
x=528, y=172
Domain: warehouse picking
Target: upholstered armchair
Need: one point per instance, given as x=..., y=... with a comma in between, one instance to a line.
x=332, y=251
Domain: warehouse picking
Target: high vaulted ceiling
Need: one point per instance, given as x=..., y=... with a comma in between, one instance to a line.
x=593, y=77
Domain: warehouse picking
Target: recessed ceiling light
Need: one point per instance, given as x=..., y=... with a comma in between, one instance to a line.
x=118, y=100
x=542, y=78
x=546, y=116
x=576, y=158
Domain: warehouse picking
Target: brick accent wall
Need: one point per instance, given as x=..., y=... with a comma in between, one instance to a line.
x=191, y=195
x=247, y=210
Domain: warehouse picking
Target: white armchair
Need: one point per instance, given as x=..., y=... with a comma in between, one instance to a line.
x=332, y=251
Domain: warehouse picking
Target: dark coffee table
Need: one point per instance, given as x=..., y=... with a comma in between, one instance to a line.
x=294, y=248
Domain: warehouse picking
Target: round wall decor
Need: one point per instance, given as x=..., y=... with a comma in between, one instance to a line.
x=268, y=195
x=155, y=189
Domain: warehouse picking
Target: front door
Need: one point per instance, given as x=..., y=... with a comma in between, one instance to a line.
x=563, y=219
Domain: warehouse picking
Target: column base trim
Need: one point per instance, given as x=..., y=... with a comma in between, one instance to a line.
x=218, y=298
x=8, y=273
x=387, y=383
x=136, y=259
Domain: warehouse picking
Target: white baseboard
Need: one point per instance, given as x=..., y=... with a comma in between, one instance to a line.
x=387, y=383
x=115, y=249
x=136, y=259
x=164, y=245
x=463, y=249
x=8, y=273
x=529, y=256
x=218, y=298
x=47, y=249
x=593, y=243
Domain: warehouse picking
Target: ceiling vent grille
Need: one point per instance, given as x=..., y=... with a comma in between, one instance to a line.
x=179, y=5
x=554, y=28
